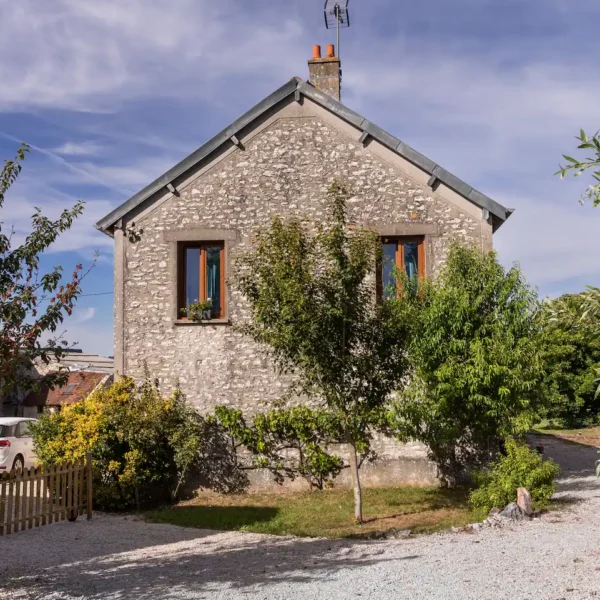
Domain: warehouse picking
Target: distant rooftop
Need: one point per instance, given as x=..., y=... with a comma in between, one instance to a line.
x=88, y=362
x=76, y=360
x=78, y=387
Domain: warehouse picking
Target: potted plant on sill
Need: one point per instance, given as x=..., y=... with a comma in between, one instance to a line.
x=198, y=310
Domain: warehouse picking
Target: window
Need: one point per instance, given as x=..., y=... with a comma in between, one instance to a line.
x=404, y=253
x=7, y=431
x=23, y=430
x=69, y=389
x=202, y=276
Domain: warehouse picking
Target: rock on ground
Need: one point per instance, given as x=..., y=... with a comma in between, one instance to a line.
x=524, y=501
x=116, y=558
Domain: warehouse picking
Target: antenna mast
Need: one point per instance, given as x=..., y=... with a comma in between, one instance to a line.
x=337, y=15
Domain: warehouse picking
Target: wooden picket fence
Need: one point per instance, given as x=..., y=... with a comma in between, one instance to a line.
x=41, y=496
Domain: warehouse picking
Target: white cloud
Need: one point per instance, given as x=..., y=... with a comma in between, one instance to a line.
x=86, y=148
x=552, y=241
x=86, y=314
x=93, y=55
x=493, y=112
x=31, y=191
x=128, y=174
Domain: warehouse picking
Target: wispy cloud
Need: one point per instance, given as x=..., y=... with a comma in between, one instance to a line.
x=83, y=174
x=93, y=56
x=552, y=241
x=85, y=314
x=30, y=192
x=86, y=148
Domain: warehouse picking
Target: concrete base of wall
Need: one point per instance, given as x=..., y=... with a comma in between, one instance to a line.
x=382, y=473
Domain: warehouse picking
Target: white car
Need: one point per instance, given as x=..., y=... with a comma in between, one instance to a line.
x=16, y=445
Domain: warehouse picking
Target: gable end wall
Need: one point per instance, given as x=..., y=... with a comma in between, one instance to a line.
x=283, y=167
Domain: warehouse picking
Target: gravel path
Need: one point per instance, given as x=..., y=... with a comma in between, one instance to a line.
x=555, y=557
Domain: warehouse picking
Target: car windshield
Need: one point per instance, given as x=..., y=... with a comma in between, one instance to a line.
x=4, y=431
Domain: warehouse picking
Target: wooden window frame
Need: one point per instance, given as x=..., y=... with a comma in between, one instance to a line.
x=181, y=275
x=400, y=240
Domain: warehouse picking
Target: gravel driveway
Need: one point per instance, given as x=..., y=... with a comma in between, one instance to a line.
x=555, y=557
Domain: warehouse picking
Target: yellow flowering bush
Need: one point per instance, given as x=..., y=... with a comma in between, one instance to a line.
x=143, y=444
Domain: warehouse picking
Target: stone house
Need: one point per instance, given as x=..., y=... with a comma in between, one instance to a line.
x=175, y=239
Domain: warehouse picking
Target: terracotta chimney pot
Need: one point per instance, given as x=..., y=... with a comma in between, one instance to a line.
x=330, y=51
x=316, y=51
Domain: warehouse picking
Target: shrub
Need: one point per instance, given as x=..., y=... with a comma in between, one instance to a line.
x=143, y=444
x=521, y=467
x=476, y=355
x=289, y=442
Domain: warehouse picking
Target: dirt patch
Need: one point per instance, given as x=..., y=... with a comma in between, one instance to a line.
x=589, y=436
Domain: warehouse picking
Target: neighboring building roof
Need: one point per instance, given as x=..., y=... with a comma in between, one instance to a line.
x=88, y=362
x=300, y=88
x=78, y=361
x=78, y=386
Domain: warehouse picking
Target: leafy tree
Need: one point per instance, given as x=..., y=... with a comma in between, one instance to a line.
x=143, y=444
x=32, y=305
x=312, y=306
x=572, y=352
x=476, y=354
x=590, y=299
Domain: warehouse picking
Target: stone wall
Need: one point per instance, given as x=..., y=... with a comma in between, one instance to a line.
x=284, y=167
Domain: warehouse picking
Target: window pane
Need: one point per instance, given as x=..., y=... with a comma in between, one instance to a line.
x=388, y=279
x=24, y=430
x=411, y=259
x=192, y=275
x=213, y=277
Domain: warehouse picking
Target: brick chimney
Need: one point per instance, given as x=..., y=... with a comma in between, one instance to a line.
x=326, y=73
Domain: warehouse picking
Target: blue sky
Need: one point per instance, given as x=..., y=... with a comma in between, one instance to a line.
x=110, y=94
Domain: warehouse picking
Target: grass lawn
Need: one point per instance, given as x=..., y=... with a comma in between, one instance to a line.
x=324, y=514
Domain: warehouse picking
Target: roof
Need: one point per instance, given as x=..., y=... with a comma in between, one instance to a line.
x=88, y=362
x=78, y=361
x=299, y=88
x=78, y=386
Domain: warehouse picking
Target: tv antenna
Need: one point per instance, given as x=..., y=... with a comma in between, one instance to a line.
x=337, y=15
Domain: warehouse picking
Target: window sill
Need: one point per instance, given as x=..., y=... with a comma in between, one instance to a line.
x=211, y=322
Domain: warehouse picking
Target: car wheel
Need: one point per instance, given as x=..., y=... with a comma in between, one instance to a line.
x=18, y=465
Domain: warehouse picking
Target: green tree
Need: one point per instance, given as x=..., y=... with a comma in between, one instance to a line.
x=590, y=299
x=476, y=354
x=32, y=305
x=572, y=352
x=312, y=305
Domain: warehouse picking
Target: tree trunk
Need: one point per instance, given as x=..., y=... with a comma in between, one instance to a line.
x=358, y=516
